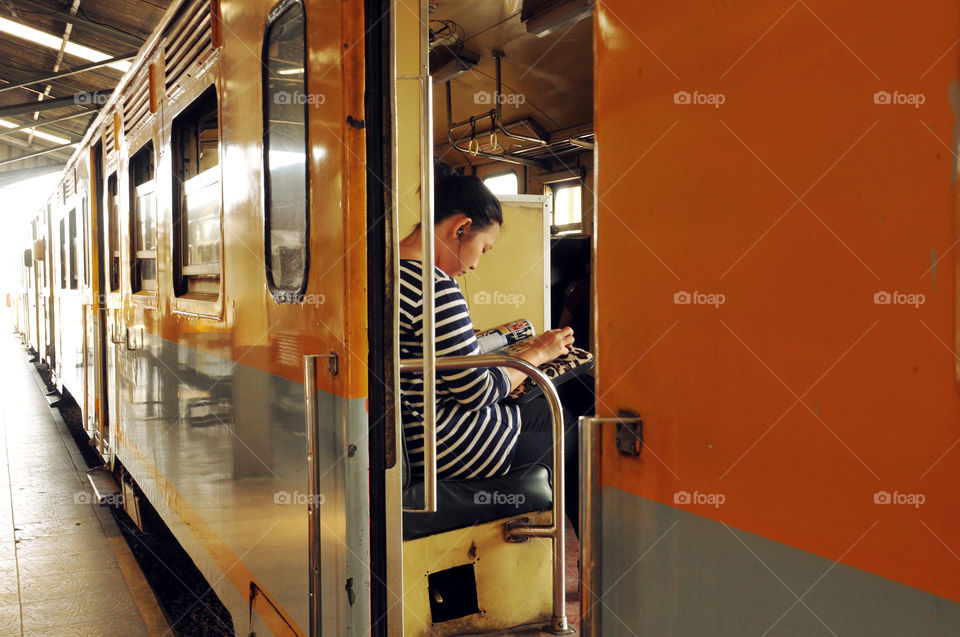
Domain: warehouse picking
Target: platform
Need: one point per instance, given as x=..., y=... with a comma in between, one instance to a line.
x=66, y=569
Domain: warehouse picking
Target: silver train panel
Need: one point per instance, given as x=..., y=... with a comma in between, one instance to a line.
x=654, y=583
x=219, y=448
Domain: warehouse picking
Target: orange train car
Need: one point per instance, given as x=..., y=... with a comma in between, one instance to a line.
x=749, y=207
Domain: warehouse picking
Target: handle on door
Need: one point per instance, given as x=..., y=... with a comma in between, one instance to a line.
x=136, y=342
x=591, y=529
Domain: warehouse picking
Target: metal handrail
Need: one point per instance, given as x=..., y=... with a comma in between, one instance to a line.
x=429, y=346
x=555, y=531
x=313, y=488
x=591, y=528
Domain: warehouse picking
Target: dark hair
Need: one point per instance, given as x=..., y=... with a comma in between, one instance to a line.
x=455, y=193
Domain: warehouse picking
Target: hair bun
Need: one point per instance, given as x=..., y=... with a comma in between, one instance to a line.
x=443, y=172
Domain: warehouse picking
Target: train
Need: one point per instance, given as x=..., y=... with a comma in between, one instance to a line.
x=748, y=207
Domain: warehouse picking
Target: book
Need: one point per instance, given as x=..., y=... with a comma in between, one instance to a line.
x=514, y=337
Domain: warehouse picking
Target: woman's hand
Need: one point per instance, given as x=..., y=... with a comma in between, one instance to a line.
x=550, y=345
x=545, y=348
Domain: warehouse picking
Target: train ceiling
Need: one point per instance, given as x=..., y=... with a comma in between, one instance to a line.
x=546, y=67
x=73, y=34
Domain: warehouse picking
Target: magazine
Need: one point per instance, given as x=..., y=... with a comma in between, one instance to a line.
x=504, y=335
x=514, y=337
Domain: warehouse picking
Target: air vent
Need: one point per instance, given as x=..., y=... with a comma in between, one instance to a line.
x=189, y=44
x=136, y=104
x=109, y=136
x=68, y=185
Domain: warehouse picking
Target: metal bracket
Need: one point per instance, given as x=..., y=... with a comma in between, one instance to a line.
x=333, y=362
x=629, y=434
x=511, y=526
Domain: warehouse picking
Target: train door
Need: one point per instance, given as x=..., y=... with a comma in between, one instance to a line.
x=312, y=308
x=34, y=278
x=97, y=387
x=62, y=296
x=111, y=269
x=49, y=353
x=88, y=345
x=797, y=468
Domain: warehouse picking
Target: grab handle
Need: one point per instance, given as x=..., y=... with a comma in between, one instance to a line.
x=555, y=530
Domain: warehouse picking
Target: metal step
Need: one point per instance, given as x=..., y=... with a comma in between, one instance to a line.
x=105, y=487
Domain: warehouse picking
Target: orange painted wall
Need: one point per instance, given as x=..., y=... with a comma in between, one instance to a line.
x=798, y=199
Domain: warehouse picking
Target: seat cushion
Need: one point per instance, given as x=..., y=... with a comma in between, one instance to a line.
x=463, y=503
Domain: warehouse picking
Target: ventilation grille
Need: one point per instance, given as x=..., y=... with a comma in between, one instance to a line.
x=68, y=185
x=136, y=104
x=189, y=44
x=109, y=137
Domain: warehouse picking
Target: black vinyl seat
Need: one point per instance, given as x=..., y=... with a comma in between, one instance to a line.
x=464, y=503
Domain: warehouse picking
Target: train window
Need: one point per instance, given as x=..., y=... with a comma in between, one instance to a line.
x=285, y=105
x=143, y=220
x=63, y=254
x=72, y=247
x=503, y=184
x=196, y=197
x=113, y=221
x=567, y=206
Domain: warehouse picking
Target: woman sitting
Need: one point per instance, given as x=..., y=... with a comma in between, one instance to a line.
x=480, y=434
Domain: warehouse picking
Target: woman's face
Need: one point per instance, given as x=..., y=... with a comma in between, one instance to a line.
x=459, y=251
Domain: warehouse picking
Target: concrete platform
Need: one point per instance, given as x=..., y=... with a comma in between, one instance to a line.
x=65, y=568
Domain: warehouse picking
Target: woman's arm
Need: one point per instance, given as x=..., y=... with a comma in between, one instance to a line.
x=472, y=388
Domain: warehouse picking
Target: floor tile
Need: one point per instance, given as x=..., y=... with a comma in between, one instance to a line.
x=55, y=585
x=34, y=565
x=58, y=544
x=125, y=626
x=68, y=611
x=10, y=618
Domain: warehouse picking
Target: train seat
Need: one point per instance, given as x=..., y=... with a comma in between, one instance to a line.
x=460, y=574
x=463, y=503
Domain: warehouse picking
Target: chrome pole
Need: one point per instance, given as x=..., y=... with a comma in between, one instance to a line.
x=429, y=318
x=590, y=528
x=429, y=345
x=313, y=488
x=591, y=521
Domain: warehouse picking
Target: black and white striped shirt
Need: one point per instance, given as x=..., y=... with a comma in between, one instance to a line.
x=476, y=430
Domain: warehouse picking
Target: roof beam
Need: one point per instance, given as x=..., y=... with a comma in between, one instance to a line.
x=88, y=100
x=40, y=123
x=56, y=76
x=83, y=24
x=13, y=176
x=13, y=160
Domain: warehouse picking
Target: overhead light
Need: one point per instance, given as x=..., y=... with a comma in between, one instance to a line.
x=52, y=41
x=50, y=138
x=543, y=17
x=290, y=71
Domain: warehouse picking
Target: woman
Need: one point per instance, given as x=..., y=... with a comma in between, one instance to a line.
x=479, y=433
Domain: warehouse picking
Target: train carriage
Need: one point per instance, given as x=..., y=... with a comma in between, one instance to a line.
x=722, y=193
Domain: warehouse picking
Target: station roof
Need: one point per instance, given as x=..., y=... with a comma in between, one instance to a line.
x=40, y=41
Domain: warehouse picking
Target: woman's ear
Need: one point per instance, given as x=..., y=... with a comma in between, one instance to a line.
x=463, y=226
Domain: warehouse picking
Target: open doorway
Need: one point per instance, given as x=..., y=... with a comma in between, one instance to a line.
x=512, y=105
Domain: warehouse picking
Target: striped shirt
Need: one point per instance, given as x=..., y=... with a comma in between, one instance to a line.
x=476, y=431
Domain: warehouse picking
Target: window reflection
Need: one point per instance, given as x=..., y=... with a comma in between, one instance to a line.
x=285, y=169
